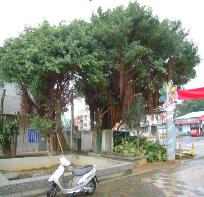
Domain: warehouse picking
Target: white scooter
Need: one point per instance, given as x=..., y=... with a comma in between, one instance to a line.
x=84, y=180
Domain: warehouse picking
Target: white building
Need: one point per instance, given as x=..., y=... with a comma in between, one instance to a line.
x=154, y=124
x=193, y=120
x=82, y=119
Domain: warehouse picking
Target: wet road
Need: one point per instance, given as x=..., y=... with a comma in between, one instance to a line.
x=185, y=179
x=198, y=142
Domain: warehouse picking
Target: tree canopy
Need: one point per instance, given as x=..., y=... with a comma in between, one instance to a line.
x=119, y=53
x=140, y=52
x=189, y=106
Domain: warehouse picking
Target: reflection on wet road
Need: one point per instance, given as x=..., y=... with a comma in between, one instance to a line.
x=187, y=180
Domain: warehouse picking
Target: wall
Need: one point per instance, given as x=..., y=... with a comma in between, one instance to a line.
x=12, y=99
x=186, y=128
x=23, y=144
x=107, y=140
x=153, y=125
x=11, y=107
x=86, y=140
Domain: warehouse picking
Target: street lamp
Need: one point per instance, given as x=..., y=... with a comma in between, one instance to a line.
x=2, y=96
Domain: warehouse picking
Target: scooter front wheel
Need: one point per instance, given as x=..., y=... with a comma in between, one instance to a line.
x=91, y=186
x=52, y=191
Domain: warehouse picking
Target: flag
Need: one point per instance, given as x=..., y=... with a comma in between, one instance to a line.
x=197, y=93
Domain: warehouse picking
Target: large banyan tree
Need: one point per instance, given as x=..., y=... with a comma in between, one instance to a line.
x=118, y=54
x=45, y=62
x=139, y=53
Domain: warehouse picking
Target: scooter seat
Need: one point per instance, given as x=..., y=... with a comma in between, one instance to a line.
x=82, y=170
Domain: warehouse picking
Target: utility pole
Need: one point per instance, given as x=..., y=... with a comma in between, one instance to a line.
x=168, y=96
x=170, y=134
x=72, y=120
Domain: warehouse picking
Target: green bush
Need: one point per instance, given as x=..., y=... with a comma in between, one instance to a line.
x=8, y=135
x=155, y=151
x=133, y=146
x=129, y=148
x=130, y=139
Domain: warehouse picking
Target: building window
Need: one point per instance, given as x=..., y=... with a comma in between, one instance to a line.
x=85, y=124
x=81, y=124
x=85, y=117
x=144, y=129
x=33, y=135
x=153, y=130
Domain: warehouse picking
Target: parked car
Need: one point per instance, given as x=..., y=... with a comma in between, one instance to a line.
x=195, y=133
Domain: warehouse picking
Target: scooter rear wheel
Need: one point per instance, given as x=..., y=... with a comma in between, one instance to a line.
x=91, y=187
x=52, y=192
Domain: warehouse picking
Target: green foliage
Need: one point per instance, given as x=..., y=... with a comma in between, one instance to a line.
x=139, y=141
x=136, y=37
x=134, y=146
x=129, y=148
x=189, y=106
x=133, y=43
x=154, y=151
x=90, y=56
x=42, y=124
x=8, y=130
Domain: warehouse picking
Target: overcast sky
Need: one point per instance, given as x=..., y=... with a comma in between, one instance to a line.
x=15, y=14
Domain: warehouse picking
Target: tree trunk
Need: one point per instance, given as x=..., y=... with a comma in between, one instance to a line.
x=150, y=102
x=58, y=129
x=92, y=116
x=72, y=121
x=61, y=142
x=170, y=68
x=50, y=140
x=122, y=80
x=13, y=146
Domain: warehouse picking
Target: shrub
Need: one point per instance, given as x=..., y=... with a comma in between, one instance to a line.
x=129, y=148
x=134, y=146
x=155, y=151
x=8, y=135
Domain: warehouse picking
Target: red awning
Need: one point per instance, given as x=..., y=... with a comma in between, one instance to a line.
x=197, y=93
